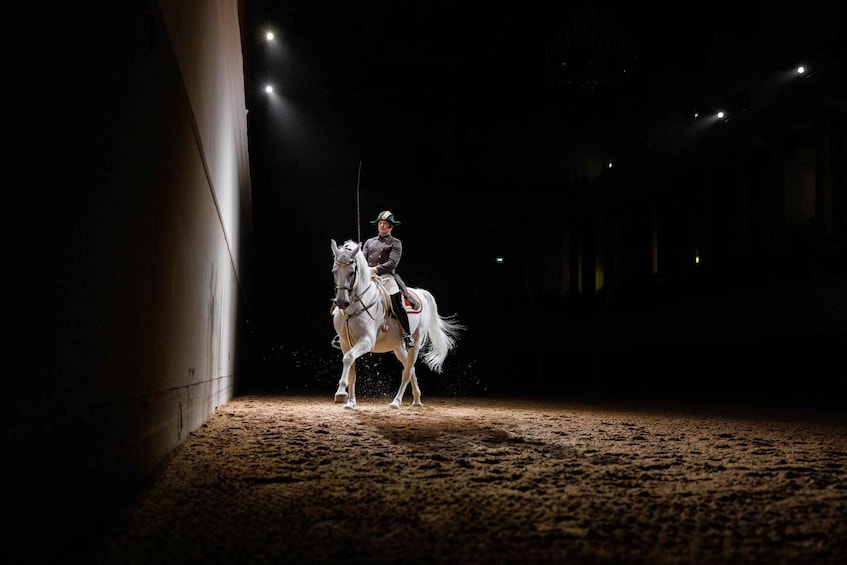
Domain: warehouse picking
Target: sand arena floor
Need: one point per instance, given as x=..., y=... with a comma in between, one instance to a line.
x=298, y=479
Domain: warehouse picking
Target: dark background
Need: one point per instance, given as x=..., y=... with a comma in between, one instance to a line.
x=435, y=116
x=385, y=105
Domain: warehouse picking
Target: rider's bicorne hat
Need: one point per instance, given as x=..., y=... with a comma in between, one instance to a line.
x=387, y=216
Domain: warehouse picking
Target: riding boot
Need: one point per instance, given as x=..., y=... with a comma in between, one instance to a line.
x=403, y=318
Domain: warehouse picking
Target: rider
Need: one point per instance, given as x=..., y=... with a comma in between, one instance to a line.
x=383, y=252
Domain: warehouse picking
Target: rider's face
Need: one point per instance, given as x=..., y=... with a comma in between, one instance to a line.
x=384, y=227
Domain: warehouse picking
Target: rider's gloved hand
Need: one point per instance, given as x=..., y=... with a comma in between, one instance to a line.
x=373, y=272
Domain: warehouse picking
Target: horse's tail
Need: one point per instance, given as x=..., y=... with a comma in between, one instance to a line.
x=442, y=334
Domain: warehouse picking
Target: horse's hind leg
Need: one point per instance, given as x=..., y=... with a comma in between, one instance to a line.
x=404, y=379
x=398, y=398
x=408, y=376
x=416, y=390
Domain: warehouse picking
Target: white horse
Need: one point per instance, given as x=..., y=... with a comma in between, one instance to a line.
x=361, y=314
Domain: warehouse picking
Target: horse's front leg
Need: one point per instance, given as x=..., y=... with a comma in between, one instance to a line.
x=348, y=374
x=348, y=377
x=351, y=402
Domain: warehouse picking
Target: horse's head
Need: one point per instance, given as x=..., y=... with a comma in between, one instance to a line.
x=347, y=272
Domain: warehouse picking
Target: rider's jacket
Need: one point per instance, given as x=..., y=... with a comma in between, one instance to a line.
x=383, y=252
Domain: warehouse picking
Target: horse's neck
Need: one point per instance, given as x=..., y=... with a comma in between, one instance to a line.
x=363, y=281
x=363, y=287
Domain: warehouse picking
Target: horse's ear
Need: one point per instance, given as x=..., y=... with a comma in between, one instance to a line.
x=334, y=247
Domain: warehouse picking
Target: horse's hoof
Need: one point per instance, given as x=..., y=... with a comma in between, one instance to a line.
x=418, y=404
x=340, y=397
x=350, y=406
x=395, y=404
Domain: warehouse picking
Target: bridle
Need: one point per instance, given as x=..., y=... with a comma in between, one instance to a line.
x=355, y=297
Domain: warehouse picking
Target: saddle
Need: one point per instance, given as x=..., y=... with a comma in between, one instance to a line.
x=409, y=299
x=411, y=302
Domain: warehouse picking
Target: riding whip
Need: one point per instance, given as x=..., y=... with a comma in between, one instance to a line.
x=358, y=218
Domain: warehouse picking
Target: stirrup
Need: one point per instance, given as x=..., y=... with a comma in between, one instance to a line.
x=336, y=342
x=408, y=341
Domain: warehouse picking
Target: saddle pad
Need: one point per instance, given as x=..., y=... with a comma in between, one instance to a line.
x=412, y=308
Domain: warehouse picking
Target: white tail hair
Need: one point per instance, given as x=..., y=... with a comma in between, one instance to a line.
x=442, y=335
